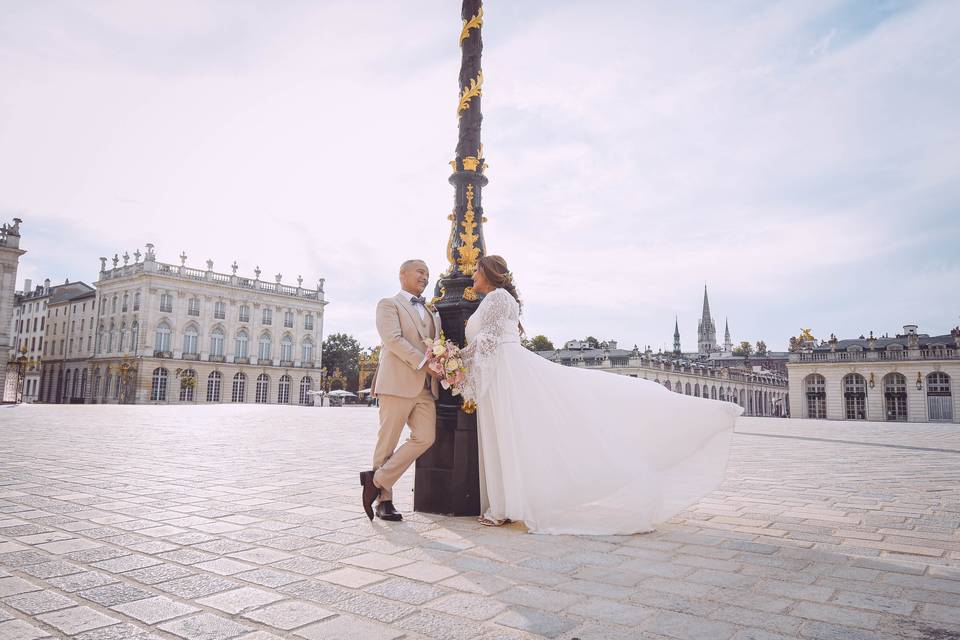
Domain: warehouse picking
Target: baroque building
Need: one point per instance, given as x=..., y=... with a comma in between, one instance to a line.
x=910, y=377
x=760, y=393
x=169, y=333
x=67, y=342
x=10, y=253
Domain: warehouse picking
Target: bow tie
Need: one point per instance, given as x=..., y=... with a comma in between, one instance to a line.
x=415, y=300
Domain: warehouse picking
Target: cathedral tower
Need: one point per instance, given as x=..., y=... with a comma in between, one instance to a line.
x=676, y=337
x=706, y=331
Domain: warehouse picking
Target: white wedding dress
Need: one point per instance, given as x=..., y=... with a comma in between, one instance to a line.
x=571, y=451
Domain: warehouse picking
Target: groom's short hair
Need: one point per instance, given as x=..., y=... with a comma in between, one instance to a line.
x=409, y=264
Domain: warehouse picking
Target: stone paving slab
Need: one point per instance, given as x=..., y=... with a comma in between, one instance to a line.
x=241, y=521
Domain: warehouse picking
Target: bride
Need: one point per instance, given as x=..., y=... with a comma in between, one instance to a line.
x=573, y=451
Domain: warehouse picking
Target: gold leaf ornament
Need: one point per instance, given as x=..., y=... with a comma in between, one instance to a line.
x=469, y=251
x=470, y=92
x=473, y=23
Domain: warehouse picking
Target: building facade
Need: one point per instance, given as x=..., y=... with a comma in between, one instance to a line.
x=10, y=253
x=760, y=393
x=67, y=343
x=910, y=377
x=172, y=334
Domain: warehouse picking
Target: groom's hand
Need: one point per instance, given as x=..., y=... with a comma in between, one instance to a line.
x=433, y=374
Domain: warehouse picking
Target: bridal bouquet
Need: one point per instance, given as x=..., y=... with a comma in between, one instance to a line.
x=444, y=359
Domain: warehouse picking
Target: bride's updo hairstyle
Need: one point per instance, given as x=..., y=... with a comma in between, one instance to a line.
x=496, y=271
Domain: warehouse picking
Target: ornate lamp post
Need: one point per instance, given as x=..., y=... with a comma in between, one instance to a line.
x=447, y=476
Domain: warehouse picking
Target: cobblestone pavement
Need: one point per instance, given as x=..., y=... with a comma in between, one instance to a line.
x=211, y=523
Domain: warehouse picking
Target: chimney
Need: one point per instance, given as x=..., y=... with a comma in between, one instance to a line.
x=46, y=286
x=26, y=286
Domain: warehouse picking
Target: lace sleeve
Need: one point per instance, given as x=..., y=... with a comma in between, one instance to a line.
x=480, y=355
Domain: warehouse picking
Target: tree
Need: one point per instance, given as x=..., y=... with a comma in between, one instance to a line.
x=745, y=349
x=539, y=343
x=342, y=351
x=592, y=342
x=761, y=348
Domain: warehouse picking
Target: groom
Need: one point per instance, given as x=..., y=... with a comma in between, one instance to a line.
x=406, y=388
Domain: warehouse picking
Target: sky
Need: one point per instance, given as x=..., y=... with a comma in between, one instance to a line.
x=801, y=159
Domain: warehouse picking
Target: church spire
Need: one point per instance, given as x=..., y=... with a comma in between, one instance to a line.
x=727, y=343
x=676, y=336
x=706, y=331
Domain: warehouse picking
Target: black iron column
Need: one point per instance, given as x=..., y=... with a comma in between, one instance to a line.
x=448, y=476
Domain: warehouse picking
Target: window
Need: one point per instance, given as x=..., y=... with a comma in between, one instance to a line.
x=126, y=299
x=286, y=349
x=240, y=347
x=306, y=384
x=283, y=390
x=239, y=388
x=263, y=388
x=123, y=336
x=106, y=386
x=113, y=305
x=264, y=353
x=158, y=389
x=136, y=301
x=288, y=319
x=855, y=396
x=193, y=307
x=190, y=340
x=96, y=385
x=895, y=397
x=213, y=387
x=216, y=342
x=166, y=303
x=307, y=350
x=244, y=313
x=111, y=337
x=939, y=397
x=135, y=336
x=103, y=307
x=267, y=316
x=816, y=388
x=162, y=338
x=308, y=322
x=188, y=383
x=219, y=310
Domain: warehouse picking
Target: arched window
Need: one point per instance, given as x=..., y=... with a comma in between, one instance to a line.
x=162, y=338
x=59, y=396
x=216, y=342
x=283, y=390
x=191, y=338
x=83, y=384
x=239, y=393
x=96, y=385
x=134, y=336
x=666, y=384
x=213, y=386
x=158, y=388
x=713, y=392
x=66, y=386
x=123, y=336
x=241, y=345
x=307, y=351
x=188, y=383
x=816, y=390
x=306, y=384
x=686, y=389
x=117, y=381
x=721, y=395
x=286, y=349
x=264, y=352
x=263, y=388
x=696, y=389
x=895, y=397
x=743, y=398
x=855, y=396
x=939, y=397
x=106, y=385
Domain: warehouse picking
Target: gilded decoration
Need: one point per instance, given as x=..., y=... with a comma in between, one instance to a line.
x=470, y=294
x=470, y=92
x=469, y=251
x=468, y=406
x=436, y=299
x=473, y=23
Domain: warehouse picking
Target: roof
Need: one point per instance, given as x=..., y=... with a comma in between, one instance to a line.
x=923, y=339
x=70, y=291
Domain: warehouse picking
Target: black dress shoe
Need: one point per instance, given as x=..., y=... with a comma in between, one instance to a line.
x=370, y=492
x=385, y=511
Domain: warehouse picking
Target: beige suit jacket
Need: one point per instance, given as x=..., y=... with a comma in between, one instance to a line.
x=402, y=334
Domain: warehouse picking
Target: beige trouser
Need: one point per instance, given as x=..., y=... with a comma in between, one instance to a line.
x=420, y=413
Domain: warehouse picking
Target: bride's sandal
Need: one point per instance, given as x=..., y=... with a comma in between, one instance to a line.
x=492, y=522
